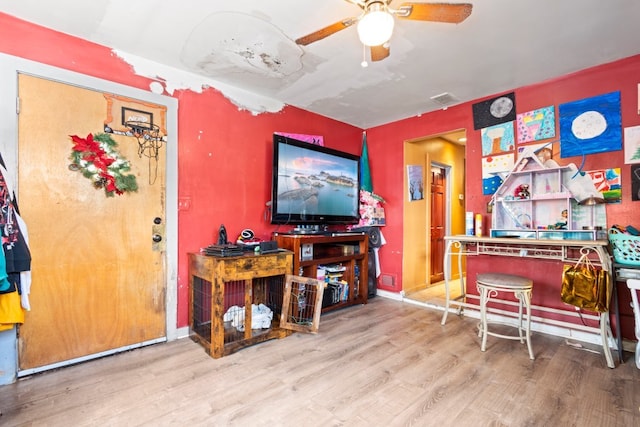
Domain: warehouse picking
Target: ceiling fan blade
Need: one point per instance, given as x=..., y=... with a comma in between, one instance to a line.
x=378, y=53
x=435, y=12
x=326, y=31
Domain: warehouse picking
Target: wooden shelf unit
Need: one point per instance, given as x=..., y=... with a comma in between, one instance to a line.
x=348, y=249
x=218, y=283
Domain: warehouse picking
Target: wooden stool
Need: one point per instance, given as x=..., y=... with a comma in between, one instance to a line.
x=489, y=285
x=634, y=287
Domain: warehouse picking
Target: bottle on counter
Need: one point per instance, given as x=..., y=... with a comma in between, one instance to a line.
x=478, y=225
x=468, y=224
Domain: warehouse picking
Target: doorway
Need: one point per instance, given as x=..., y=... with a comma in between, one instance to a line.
x=441, y=213
x=439, y=223
x=156, y=320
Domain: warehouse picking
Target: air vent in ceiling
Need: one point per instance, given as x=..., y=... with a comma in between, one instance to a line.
x=445, y=99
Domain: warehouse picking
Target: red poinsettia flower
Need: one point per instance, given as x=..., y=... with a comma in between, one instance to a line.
x=97, y=153
x=85, y=144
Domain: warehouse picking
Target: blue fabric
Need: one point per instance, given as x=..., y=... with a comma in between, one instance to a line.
x=5, y=285
x=365, y=172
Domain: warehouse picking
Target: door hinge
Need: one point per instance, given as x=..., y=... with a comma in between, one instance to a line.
x=18, y=105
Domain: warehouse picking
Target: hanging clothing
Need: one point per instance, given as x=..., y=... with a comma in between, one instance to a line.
x=16, y=257
x=11, y=311
x=5, y=285
x=25, y=276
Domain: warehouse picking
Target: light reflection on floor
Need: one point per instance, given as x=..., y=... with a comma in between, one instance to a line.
x=435, y=294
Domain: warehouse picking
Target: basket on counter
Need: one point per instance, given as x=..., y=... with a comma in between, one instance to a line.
x=626, y=247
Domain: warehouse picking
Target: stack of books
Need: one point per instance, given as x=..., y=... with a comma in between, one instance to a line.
x=333, y=276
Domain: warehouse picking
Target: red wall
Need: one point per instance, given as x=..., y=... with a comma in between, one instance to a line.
x=225, y=155
x=385, y=144
x=225, y=162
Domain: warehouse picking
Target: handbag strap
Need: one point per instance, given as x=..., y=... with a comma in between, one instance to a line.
x=584, y=259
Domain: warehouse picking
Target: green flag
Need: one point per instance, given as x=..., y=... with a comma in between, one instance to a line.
x=365, y=173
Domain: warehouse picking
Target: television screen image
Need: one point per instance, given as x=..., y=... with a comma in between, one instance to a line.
x=313, y=184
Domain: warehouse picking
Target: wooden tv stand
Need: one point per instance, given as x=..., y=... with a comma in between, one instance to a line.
x=350, y=250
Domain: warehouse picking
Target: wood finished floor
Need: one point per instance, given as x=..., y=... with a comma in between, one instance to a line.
x=435, y=294
x=386, y=363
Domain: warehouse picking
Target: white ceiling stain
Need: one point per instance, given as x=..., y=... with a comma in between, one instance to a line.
x=234, y=43
x=175, y=79
x=246, y=50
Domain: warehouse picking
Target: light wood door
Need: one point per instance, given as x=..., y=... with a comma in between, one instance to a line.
x=98, y=278
x=438, y=222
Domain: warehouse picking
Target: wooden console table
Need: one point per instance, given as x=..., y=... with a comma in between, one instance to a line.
x=561, y=250
x=216, y=283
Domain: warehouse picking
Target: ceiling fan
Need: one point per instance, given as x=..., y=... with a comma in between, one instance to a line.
x=375, y=23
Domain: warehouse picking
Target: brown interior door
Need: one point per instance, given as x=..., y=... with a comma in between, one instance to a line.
x=438, y=222
x=98, y=277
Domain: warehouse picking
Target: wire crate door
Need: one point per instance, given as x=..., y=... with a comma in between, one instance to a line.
x=302, y=304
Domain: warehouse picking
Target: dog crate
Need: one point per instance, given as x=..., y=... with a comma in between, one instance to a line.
x=236, y=301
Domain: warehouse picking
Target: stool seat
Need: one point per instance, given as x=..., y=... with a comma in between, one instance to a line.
x=489, y=285
x=509, y=281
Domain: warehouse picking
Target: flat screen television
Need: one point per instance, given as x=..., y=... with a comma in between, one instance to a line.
x=313, y=185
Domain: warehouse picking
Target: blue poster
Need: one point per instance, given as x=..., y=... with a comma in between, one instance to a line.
x=591, y=125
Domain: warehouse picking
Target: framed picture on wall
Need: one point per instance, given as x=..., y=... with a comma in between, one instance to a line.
x=415, y=175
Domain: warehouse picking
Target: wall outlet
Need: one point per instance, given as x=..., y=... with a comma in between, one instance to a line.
x=184, y=203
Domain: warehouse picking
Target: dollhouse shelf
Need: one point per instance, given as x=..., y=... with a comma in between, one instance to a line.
x=538, y=201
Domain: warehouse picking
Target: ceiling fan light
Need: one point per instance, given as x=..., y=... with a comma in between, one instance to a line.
x=375, y=28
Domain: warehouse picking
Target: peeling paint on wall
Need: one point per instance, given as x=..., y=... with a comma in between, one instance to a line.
x=175, y=79
x=224, y=50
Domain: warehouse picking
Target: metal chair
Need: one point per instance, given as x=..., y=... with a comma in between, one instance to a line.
x=634, y=287
x=489, y=285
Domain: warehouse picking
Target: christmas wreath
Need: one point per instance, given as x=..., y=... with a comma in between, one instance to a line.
x=96, y=157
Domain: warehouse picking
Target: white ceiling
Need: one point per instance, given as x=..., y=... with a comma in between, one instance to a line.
x=503, y=45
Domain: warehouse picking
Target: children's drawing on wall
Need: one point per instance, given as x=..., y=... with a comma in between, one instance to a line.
x=591, y=125
x=494, y=170
x=497, y=139
x=500, y=109
x=416, y=182
x=608, y=183
x=536, y=125
x=632, y=145
x=635, y=183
